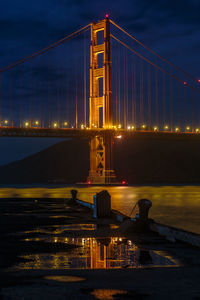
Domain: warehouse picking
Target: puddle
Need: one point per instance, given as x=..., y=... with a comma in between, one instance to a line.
x=111, y=294
x=61, y=217
x=104, y=294
x=58, y=229
x=82, y=227
x=97, y=253
x=64, y=278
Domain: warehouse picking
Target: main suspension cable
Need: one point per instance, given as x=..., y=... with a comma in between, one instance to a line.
x=153, y=52
x=46, y=49
x=153, y=64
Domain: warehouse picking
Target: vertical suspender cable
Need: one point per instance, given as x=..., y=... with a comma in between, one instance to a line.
x=149, y=95
x=127, y=92
x=178, y=104
x=171, y=103
x=164, y=103
x=157, y=103
x=135, y=94
x=119, y=85
x=85, y=105
x=192, y=110
x=132, y=92
x=124, y=106
x=1, y=97
x=141, y=92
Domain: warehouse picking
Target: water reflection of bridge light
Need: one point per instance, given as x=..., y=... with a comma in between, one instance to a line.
x=98, y=253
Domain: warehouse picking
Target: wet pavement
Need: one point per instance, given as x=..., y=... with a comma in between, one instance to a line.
x=50, y=245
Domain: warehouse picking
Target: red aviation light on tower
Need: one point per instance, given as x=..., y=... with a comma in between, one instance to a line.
x=107, y=16
x=198, y=80
x=124, y=182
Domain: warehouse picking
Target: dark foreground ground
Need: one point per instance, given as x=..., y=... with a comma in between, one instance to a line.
x=52, y=249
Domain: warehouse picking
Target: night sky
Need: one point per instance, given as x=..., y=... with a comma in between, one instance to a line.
x=171, y=28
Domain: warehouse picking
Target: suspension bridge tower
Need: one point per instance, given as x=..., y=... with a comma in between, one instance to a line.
x=100, y=103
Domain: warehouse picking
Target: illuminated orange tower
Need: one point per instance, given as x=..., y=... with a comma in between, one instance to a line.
x=101, y=157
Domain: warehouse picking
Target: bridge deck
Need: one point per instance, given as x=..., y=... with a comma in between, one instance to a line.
x=89, y=133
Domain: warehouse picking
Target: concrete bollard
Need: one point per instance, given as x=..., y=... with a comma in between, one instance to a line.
x=102, y=205
x=144, y=206
x=74, y=195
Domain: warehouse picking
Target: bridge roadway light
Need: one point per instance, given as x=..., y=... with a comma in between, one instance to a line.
x=155, y=128
x=55, y=124
x=36, y=123
x=166, y=127
x=188, y=128
x=26, y=124
x=65, y=123
x=129, y=127
x=197, y=130
x=132, y=127
x=6, y=122
x=177, y=129
x=82, y=126
x=143, y=126
x=119, y=126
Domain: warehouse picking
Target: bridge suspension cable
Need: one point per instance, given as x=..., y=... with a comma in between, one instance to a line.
x=153, y=52
x=153, y=64
x=46, y=49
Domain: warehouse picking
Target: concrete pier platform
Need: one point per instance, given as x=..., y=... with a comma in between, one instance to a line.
x=55, y=249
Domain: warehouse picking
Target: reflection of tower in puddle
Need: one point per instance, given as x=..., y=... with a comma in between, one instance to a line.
x=107, y=252
x=100, y=251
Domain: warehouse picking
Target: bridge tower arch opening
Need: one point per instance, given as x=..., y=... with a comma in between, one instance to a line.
x=100, y=104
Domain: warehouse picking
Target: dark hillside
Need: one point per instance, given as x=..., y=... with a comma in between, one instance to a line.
x=140, y=160
x=148, y=160
x=66, y=161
